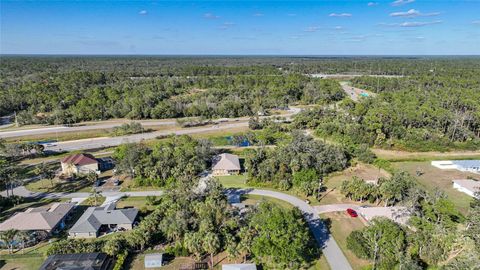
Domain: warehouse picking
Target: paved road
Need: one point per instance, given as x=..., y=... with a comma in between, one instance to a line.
x=334, y=255
x=100, y=125
x=103, y=142
x=355, y=93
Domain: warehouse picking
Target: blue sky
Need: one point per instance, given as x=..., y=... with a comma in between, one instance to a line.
x=395, y=27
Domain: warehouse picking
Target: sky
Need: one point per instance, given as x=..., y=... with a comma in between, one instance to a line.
x=355, y=27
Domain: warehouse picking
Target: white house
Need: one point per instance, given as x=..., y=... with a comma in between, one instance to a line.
x=461, y=165
x=467, y=186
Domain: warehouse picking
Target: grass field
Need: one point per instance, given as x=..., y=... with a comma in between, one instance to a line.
x=233, y=181
x=433, y=178
x=137, y=202
x=341, y=225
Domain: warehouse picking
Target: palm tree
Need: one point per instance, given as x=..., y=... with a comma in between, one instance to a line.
x=211, y=244
x=7, y=237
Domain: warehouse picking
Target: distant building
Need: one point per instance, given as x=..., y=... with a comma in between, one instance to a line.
x=226, y=164
x=79, y=164
x=79, y=261
x=153, y=260
x=467, y=186
x=239, y=266
x=461, y=165
x=100, y=219
x=48, y=219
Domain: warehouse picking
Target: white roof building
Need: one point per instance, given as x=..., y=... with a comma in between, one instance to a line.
x=461, y=165
x=467, y=186
x=153, y=260
x=240, y=266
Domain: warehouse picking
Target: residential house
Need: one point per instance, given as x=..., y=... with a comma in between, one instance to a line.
x=48, y=219
x=103, y=219
x=78, y=261
x=79, y=164
x=226, y=164
x=461, y=165
x=467, y=186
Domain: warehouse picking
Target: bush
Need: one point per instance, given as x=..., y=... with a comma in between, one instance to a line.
x=120, y=260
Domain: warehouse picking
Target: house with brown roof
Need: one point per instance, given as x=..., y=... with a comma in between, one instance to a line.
x=79, y=164
x=48, y=219
x=226, y=164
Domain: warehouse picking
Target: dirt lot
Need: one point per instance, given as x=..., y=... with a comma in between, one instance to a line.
x=436, y=178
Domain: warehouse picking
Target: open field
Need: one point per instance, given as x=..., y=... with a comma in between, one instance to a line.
x=433, y=178
x=137, y=202
x=28, y=262
x=394, y=155
x=340, y=226
x=56, y=185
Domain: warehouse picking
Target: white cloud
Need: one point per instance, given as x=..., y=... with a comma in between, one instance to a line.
x=338, y=27
x=401, y=2
x=340, y=15
x=226, y=25
x=258, y=14
x=143, y=12
x=476, y=22
x=371, y=4
x=411, y=24
x=210, y=16
x=311, y=29
x=413, y=13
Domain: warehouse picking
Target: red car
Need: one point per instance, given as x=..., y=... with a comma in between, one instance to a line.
x=352, y=212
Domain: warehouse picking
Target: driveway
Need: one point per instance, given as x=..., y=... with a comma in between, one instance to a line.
x=335, y=208
x=334, y=255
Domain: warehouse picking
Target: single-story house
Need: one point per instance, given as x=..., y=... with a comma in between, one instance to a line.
x=103, y=219
x=461, y=165
x=79, y=164
x=153, y=260
x=226, y=164
x=48, y=219
x=239, y=266
x=78, y=261
x=467, y=186
x=397, y=214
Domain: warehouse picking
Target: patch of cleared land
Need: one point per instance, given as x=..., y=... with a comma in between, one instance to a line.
x=334, y=181
x=433, y=178
x=341, y=225
x=57, y=185
x=394, y=155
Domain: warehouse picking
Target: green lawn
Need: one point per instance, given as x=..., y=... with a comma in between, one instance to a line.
x=21, y=263
x=233, y=181
x=45, y=185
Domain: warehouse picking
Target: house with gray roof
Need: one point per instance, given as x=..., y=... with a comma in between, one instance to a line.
x=103, y=219
x=461, y=165
x=226, y=164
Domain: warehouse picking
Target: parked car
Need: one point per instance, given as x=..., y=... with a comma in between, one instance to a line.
x=352, y=212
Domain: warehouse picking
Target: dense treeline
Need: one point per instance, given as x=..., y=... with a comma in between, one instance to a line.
x=164, y=162
x=301, y=163
x=74, y=96
x=417, y=113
